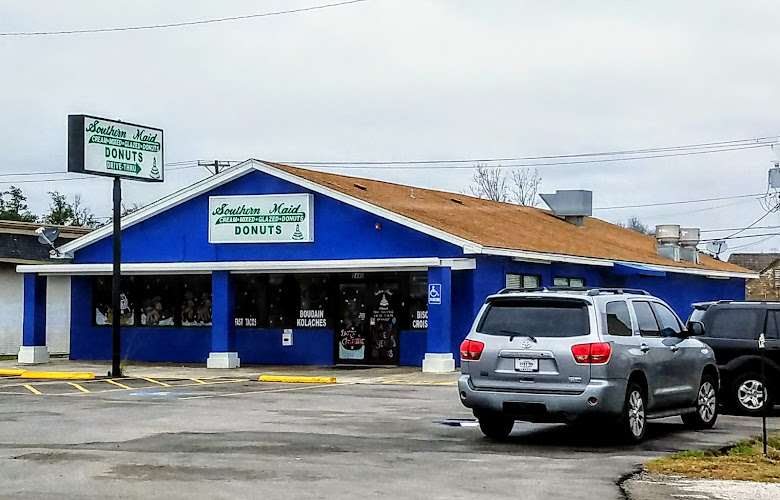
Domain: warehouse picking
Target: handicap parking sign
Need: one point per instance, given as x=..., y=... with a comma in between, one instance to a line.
x=434, y=293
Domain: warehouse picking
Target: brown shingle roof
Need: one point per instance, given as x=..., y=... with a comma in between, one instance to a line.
x=504, y=225
x=753, y=261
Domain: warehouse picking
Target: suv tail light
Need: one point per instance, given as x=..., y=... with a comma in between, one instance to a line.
x=471, y=350
x=596, y=354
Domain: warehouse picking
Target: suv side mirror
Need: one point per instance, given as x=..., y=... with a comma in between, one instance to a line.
x=695, y=328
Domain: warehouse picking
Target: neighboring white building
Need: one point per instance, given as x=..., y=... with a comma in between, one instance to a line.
x=19, y=245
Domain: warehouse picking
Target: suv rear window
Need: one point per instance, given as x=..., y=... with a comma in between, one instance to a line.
x=734, y=323
x=536, y=317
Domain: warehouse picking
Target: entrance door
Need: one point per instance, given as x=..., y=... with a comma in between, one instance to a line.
x=352, y=331
x=385, y=304
x=367, y=331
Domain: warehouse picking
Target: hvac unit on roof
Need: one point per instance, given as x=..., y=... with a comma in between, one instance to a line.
x=571, y=205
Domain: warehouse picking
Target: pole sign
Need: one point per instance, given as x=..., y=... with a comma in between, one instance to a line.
x=115, y=149
x=269, y=218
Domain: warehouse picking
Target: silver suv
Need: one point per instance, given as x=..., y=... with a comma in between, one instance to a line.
x=562, y=355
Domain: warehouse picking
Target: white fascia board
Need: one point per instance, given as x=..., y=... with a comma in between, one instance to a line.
x=548, y=258
x=368, y=207
x=709, y=273
x=242, y=267
x=173, y=199
x=542, y=257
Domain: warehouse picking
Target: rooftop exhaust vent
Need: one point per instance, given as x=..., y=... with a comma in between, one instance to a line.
x=572, y=205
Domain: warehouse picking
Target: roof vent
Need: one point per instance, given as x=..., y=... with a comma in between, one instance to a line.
x=668, y=236
x=360, y=186
x=689, y=238
x=571, y=205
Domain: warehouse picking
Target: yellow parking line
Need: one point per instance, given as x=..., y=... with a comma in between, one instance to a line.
x=32, y=389
x=197, y=380
x=154, y=381
x=123, y=386
x=77, y=386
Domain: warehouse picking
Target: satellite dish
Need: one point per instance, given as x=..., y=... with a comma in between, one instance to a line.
x=717, y=246
x=47, y=235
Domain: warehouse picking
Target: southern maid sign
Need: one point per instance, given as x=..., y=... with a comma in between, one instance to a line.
x=270, y=218
x=116, y=149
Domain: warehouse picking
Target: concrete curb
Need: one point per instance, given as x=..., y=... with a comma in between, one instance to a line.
x=58, y=375
x=297, y=380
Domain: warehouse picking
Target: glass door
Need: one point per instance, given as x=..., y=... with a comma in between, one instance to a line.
x=351, y=331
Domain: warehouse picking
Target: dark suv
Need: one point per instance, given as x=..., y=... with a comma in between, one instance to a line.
x=732, y=328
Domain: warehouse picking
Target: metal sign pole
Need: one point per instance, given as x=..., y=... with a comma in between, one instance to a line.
x=762, y=347
x=116, y=318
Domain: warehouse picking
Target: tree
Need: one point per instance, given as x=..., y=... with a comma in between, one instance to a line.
x=492, y=183
x=15, y=208
x=525, y=186
x=635, y=224
x=82, y=215
x=60, y=211
x=64, y=213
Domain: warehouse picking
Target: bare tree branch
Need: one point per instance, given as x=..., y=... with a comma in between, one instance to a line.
x=525, y=186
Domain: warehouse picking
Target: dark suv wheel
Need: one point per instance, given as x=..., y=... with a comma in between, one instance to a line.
x=706, y=405
x=495, y=425
x=748, y=395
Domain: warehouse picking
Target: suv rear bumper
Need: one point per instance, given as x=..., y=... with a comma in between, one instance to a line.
x=546, y=407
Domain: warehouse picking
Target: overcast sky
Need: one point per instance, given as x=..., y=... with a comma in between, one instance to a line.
x=410, y=80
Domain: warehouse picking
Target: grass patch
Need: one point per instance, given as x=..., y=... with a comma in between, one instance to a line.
x=743, y=462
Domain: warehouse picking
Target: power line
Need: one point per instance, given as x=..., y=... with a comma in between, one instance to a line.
x=436, y=165
x=753, y=243
x=737, y=228
x=681, y=202
x=181, y=165
x=744, y=236
x=180, y=24
x=756, y=141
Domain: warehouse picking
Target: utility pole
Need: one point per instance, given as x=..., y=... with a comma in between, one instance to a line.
x=216, y=164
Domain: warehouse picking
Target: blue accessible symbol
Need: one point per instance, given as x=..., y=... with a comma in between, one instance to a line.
x=434, y=293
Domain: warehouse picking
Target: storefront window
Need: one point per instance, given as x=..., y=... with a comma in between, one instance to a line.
x=158, y=300
x=251, y=305
x=101, y=301
x=298, y=301
x=418, y=301
x=196, y=300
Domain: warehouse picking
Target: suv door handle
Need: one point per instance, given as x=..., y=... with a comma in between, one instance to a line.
x=644, y=347
x=674, y=348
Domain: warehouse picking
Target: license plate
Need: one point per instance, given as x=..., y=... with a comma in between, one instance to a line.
x=527, y=365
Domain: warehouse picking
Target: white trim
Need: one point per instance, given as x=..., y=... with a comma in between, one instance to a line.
x=541, y=257
x=239, y=267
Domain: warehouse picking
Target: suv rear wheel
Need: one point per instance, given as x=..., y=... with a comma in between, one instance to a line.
x=634, y=419
x=706, y=405
x=748, y=394
x=495, y=425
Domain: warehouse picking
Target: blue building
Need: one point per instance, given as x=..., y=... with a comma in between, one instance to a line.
x=270, y=264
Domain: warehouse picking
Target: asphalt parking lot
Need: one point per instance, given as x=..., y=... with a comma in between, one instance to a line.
x=219, y=437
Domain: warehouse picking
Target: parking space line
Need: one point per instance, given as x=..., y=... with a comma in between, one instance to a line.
x=197, y=380
x=154, y=381
x=287, y=389
x=77, y=386
x=114, y=382
x=32, y=389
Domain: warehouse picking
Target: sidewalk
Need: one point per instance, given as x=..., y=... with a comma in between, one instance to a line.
x=356, y=375
x=645, y=486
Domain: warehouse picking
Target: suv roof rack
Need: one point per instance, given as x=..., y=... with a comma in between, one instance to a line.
x=590, y=290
